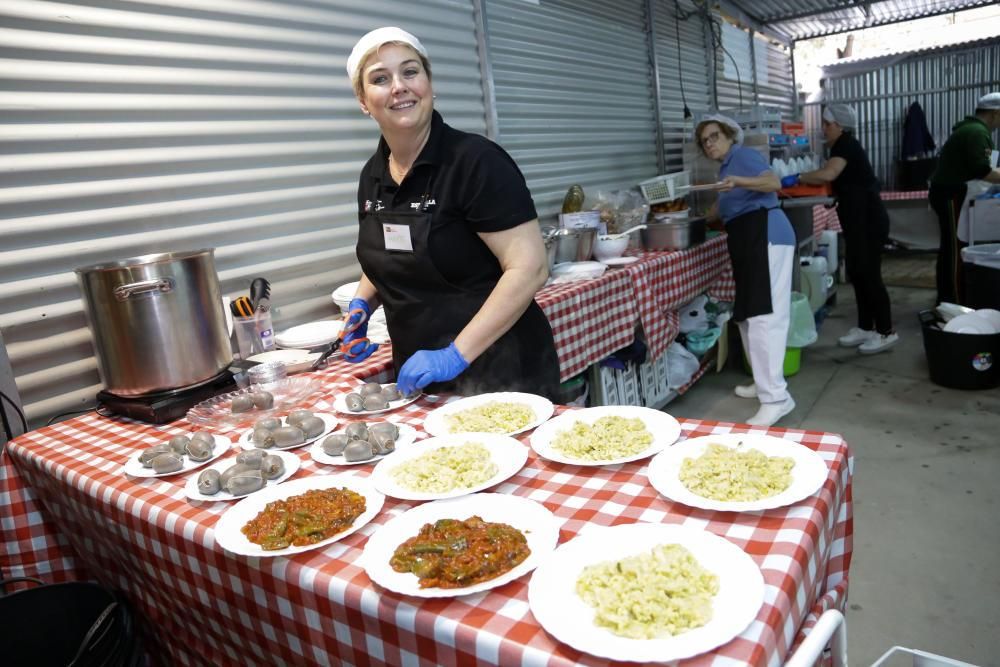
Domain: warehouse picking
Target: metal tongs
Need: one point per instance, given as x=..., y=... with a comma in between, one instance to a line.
x=353, y=322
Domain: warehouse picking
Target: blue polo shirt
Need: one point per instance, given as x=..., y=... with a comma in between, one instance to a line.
x=743, y=161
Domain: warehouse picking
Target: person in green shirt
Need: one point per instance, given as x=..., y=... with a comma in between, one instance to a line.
x=964, y=157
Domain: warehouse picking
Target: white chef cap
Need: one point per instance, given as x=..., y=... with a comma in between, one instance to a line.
x=842, y=115
x=989, y=102
x=375, y=39
x=721, y=120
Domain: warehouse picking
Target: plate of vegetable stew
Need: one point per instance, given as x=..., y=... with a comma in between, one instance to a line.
x=298, y=516
x=446, y=548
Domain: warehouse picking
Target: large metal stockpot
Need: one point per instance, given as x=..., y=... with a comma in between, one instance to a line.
x=157, y=321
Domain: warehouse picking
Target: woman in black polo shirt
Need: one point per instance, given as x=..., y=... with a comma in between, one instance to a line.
x=866, y=228
x=449, y=240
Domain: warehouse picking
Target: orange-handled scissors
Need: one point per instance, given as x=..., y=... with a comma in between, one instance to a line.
x=355, y=318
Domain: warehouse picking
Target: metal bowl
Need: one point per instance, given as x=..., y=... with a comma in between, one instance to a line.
x=674, y=235
x=573, y=245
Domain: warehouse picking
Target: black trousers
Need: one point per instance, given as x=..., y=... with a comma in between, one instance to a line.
x=947, y=204
x=866, y=228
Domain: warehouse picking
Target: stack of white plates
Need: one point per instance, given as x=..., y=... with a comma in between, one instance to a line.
x=342, y=295
x=310, y=334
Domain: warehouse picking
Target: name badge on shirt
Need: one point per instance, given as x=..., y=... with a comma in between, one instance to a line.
x=397, y=237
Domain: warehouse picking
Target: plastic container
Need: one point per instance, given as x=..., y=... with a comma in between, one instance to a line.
x=254, y=334
x=666, y=187
x=958, y=360
x=801, y=323
x=981, y=265
x=791, y=365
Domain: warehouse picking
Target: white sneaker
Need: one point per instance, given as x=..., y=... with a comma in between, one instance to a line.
x=746, y=390
x=878, y=343
x=855, y=337
x=770, y=413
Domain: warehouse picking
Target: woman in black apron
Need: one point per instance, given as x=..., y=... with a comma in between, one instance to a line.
x=865, y=223
x=449, y=241
x=762, y=248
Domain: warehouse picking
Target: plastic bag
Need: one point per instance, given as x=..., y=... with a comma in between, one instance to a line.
x=801, y=325
x=681, y=366
x=695, y=316
x=622, y=210
x=700, y=342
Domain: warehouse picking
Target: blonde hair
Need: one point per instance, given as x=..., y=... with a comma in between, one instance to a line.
x=359, y=79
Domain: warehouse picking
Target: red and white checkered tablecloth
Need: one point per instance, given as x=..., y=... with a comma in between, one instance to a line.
x=826, y=218
x=319, y=607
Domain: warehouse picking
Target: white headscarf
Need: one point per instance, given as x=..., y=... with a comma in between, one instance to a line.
x=842, y=115
x=377, y=38
x=722, y=120
x=990, y=102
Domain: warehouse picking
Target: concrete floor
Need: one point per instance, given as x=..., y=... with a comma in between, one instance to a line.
x=926, y=566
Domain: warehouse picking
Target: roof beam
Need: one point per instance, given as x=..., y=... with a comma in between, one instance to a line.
x=734, y=10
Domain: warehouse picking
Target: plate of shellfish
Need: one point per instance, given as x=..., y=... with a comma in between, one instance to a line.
x=362, y=442
x=372, y=398
x=251, y=471
x=242, y=408
x=176, y=455
x=300, y=427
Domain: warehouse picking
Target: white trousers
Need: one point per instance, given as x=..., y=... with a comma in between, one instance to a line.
x=764, y=336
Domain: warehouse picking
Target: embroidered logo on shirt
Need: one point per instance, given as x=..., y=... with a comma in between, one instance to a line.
x=377, y=205
x=425, y=204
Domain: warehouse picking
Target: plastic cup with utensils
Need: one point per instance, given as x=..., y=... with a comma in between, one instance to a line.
x=254, y=334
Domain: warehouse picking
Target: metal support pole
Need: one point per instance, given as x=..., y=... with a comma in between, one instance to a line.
x=486, y=71
x=795, y=87
x=706, y=35
x=753, y=65
x=661, y=162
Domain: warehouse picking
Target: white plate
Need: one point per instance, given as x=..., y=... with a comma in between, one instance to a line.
x=556, y=606
x=538, y=524
x=295, y=361
x=288, y=393
x=407, y=436
x=290, y=460
x=227, y=530
x=508, y=454
x=310, y=334
x=808, y=475
x=330, y=422
x=990, y=315
x=619, y=261
x=340, y=406
x=437, y=424
x=970, y=323
x=664, y=429
x=136, y=469
x=578, y=271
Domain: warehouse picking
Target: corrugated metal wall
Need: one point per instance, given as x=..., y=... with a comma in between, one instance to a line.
x=774, y=88
x=135, y=128
x=574, y=94
x=131, y=128
x=945, y=82
x=695, y=69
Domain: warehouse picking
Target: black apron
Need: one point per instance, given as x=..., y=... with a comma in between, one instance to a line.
x=425, y=311
x=747, y=241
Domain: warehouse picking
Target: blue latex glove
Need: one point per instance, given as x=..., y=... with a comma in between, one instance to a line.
x=790, y=180
x=427, y=366
x=361, y=350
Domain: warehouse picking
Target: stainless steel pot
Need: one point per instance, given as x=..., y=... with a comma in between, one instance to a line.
x=573, y=245
x=674, y=235
x=157, y=321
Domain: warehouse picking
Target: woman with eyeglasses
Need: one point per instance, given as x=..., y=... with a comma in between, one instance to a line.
x=865, y=223
x=762, y=248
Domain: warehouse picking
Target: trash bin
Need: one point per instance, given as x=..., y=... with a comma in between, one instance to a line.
x=801, y=332
x=981, y=266
x=960, y=360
